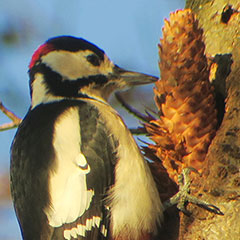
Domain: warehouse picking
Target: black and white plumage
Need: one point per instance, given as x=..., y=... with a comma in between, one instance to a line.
x=76, y=171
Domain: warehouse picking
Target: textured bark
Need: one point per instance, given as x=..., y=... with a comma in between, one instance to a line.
x=220, y=181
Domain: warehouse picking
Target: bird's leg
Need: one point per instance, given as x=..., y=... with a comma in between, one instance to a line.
x=183, y=196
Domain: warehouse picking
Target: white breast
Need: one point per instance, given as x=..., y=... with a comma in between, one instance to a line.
x=69, y=196
x=134, y=199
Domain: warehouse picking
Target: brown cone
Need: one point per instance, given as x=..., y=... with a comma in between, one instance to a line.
x=184, y=97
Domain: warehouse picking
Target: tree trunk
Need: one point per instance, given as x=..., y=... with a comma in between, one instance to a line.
x=220, y=181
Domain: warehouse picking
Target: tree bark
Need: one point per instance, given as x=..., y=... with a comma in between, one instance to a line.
x=220, y=181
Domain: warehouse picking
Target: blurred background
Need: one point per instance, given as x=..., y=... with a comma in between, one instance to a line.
x=128, y=31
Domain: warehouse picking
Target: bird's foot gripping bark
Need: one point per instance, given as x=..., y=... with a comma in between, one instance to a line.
x=183, y=196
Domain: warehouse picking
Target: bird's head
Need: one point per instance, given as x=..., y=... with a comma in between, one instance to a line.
x=69, y=67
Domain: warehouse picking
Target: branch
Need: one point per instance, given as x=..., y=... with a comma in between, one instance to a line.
x=135, y=112
x=138, y=131
x=15, y=119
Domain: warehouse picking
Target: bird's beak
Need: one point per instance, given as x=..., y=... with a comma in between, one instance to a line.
x=129, y=78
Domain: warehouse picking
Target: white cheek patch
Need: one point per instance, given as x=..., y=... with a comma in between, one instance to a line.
x=71, y=65
x=69, y=196
x=74, y=65
x=40, y=92
x=81, y=229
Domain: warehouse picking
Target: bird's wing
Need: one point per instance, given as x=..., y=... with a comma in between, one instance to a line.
x=80, y=174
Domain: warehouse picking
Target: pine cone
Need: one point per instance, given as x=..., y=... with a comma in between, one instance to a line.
x=184, y=97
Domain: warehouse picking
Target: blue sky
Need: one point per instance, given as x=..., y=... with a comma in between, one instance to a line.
x=128, y=31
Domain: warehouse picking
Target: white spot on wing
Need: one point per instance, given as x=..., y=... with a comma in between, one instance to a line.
x=74, y=232
x=82, y=163
x=69, y=195
x=81, y=229
x=96, y=221
x=104, y=231
x=89, y=224
x=67, y=234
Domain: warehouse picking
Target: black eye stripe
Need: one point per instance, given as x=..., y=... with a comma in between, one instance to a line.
x=68, y=88
x=94, y=59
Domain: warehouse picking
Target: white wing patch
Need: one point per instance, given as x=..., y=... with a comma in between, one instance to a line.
x=69, y=196
x=81, y=229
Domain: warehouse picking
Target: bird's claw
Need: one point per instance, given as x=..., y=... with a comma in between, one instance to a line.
x=183, y=196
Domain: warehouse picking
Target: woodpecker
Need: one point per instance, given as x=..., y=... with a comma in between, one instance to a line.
x=76, y=170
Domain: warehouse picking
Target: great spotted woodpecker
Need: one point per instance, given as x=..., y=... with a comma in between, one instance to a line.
x=76, y=171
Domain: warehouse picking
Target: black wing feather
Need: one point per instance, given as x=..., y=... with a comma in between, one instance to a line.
x=29, y=169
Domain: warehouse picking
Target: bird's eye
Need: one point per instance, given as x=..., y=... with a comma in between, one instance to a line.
x=94, y=59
